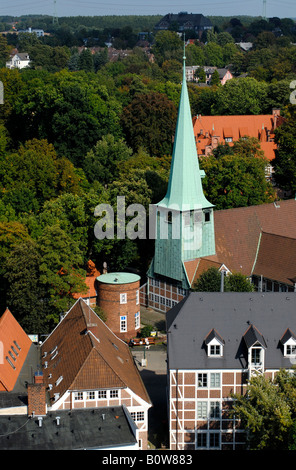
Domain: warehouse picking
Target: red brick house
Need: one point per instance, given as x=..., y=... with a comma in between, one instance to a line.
x=86, y=366
x=85, y=392
x=210, y=131
x=216, y=342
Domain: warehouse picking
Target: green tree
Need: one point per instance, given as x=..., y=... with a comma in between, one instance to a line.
x=285, y=160
x=103, y=162
x=86, y=61
x=34, y=174
x=237, y=282
x=236, y=177
x=167, y=45
x=268, y=411
x=240, y=96
x=149, y=121
x=213, y=55
x=4, y=51
x=201, y=75
x=26, y=297
x=211, y=281
x=61, y=272
x=215, y=79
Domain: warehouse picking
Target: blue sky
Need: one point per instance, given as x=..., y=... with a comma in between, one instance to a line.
x=280, y=8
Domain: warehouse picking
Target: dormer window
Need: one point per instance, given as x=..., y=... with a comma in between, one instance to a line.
x=256, y=346
x=288, y=341
x=214, y=343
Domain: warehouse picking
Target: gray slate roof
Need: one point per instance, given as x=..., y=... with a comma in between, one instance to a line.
x=231, y=314
x=78, y=429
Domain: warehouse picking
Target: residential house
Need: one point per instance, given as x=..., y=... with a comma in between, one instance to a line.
x=79, y=390
x=215, y=343
x=18, y=60
x=210, y=131
x=184, y=21
x=224, y=74
x=86, y=366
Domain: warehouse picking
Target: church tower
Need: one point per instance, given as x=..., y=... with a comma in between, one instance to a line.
x=184, y=225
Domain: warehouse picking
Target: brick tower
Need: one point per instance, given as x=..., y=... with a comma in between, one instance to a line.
x=119, y=298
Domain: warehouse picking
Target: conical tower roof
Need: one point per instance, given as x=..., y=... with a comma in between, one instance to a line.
x=185, y=190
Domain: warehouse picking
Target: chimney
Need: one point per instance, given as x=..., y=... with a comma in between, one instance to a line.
x=37, y=396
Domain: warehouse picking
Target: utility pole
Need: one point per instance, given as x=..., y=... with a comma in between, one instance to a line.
x=264, y=10
x=55, y=18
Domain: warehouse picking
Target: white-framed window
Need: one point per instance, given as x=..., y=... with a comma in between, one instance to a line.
x=215, y=409
x=290, y=349
x=102, y=394
x=123, y=298
x=123, y=323
x=215, y=350
x=202, y=380
x=78, y=396
x=214, y=440
x=114, y=394
x=202, y=410
x=137, y=320
x=256, y=356
x=201, y=439
x=91, y=395
x=138, y=416
x=215, y=379
x=137, y=297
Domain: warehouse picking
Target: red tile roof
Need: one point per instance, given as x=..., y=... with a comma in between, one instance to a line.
x=237, y=232
x=276, y=258
x=90, y=282
x=206, y=127
x=14, y=345
x=258, y=240
x=194, y=268
x=87, y=355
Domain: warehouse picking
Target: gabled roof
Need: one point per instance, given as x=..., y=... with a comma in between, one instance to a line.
x=276, y=258
x=237, y=233
x=213, y=334
x=14, y=348
x=85, y=353
x=194, y=268
x=253, y=336
x=287, y=335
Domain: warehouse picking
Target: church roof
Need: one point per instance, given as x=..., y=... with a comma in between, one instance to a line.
x=238, y=232
x=185, y=187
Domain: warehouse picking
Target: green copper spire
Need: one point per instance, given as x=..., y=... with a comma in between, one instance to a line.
x=185, y=186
